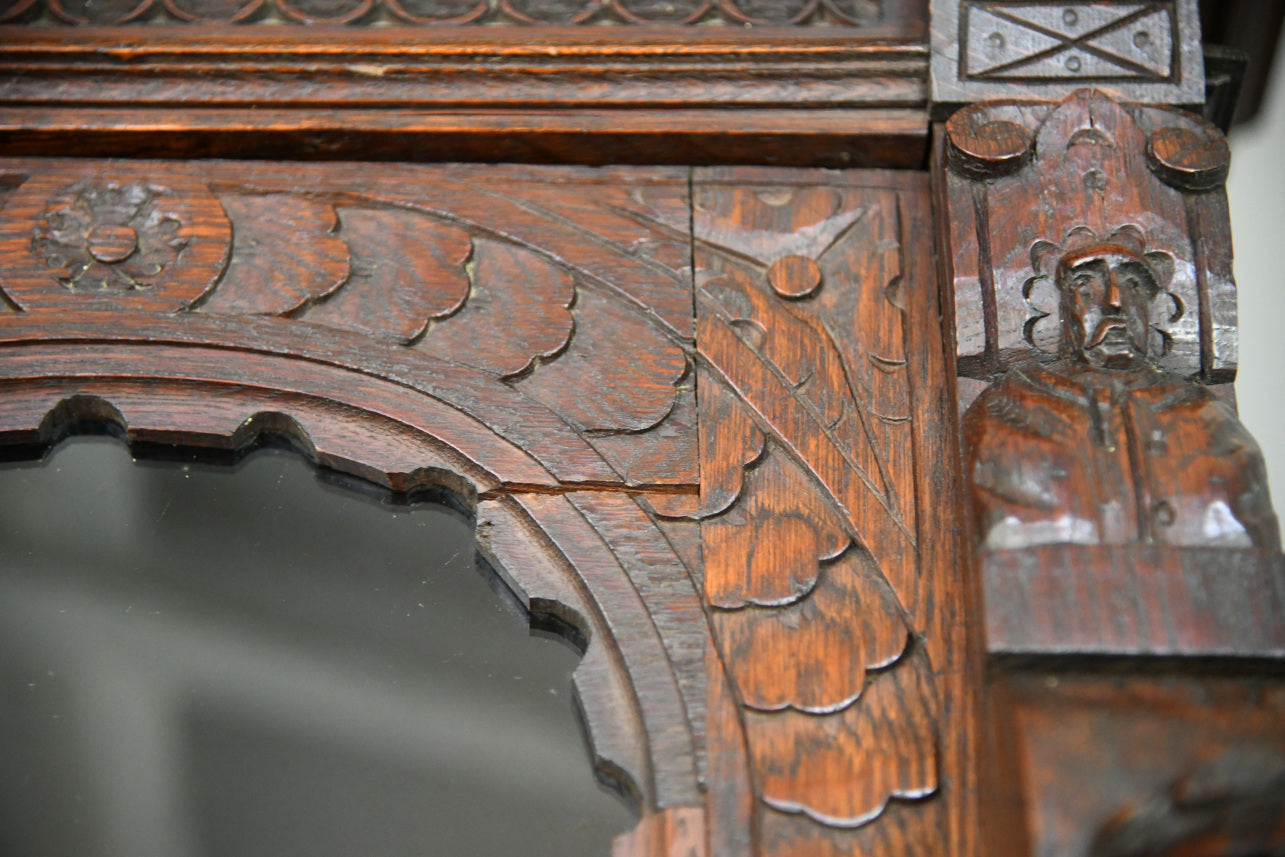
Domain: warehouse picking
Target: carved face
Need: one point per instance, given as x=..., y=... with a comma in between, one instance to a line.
x=1106, y=292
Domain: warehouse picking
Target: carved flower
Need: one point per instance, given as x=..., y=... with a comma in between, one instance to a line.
x=108, y=237
x=1043, y=329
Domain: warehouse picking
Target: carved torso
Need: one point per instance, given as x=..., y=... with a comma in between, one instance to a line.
x=1074, y=455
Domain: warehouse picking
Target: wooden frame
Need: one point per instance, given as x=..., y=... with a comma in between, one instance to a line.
x=709, y=417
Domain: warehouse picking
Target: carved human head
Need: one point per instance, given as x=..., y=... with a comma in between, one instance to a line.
x=1106, y=292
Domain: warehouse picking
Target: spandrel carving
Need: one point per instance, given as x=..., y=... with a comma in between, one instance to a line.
x=1101, y=447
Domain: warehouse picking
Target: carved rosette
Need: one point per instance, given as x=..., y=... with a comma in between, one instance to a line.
x=129, y=242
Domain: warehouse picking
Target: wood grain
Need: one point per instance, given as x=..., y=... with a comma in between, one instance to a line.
x=808, y=504
x=1187, y=765
x=1091, y=171
x=1145, y=51
x=832, y=96
x=1199, y=602
x=472, y=331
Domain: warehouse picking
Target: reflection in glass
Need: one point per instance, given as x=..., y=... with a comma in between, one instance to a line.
x=197, y=663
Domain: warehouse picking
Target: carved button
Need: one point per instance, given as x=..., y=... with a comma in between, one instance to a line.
x=794, y=277
x=986, y=149
x=112, y=242
x=1189, y=159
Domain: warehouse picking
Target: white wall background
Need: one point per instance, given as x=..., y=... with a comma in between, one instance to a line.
x=1257, y=193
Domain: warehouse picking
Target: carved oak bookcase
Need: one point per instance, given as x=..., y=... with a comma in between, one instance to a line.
x=854, y=376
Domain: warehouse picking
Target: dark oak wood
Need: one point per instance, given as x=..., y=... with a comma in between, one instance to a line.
x=832, y=96
x=1138, y=51
x=1123, y=531
x=715, y=424
x=830, y=614
x=809, y=13
x=1181, y=766
x=527, y=340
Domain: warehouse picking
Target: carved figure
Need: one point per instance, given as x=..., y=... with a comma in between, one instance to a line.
x=1102, y=447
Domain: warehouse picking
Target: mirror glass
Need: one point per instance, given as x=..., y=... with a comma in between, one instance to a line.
x=212, y=661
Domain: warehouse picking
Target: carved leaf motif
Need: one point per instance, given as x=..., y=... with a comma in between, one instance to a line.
x=100, y=12
x=406, y=270
x=839, y=401
x=901, y=829
x=517, y=311
x=620, y=372
x=730, y=442
x=769, y=223
x=325, y=11
x=284, y=254
x=842, y=769
x=550, y=11
x=438, y=11
x=767, y=548
x=213, y=10
x=850, y=624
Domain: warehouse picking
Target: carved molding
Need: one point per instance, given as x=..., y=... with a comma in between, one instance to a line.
x=420, y=335
x=446, y=12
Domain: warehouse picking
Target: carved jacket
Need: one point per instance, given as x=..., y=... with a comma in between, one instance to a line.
x=1078, y=455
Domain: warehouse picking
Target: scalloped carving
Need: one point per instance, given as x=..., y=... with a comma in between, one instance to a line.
x=810, y=563
x=407, y=270
x=453, y=12
x=517, y=302
x=285, y=254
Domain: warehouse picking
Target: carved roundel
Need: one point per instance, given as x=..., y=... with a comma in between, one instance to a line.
x=126, y=243
x=438, y=11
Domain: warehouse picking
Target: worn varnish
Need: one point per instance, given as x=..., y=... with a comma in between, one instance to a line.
x=716, y=423
x=416, y=329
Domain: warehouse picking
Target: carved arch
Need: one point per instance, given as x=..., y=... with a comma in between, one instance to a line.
x=542, y=544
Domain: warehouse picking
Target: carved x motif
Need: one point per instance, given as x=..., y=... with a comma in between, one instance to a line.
x=1009, y=40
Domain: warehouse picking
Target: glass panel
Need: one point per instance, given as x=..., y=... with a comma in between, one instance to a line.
x=204, y=663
